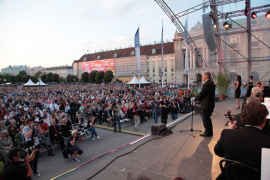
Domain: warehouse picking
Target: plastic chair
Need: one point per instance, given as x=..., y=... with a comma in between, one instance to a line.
x=235, y=170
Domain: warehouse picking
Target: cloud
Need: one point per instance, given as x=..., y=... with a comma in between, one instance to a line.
x=141, y=11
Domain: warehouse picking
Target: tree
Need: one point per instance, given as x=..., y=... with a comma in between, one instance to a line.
x=49, y=77
x=108, y=76
x=19, y=78
x=55, y=77
x=100, y=76
x=61, y=79
x=38, y=74
x=26, y=78
x=34, y=79
x=92, y=76
x=84, y=77
x=22, y=73
x=1, y=78
x=73, y=78
x=68, y=77
x=43, y=78
x=14, y=79
x=7, y=77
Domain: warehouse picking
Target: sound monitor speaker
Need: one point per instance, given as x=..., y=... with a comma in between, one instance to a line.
x=208, y=28
x=157, y=128
x=266, y=91
x=197, y=108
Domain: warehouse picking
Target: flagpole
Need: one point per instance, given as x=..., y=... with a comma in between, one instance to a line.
x=140, y=63
x=162, y=65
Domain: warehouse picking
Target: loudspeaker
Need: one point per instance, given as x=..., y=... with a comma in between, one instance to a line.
x=197, y=108
x=266, y=91
x=208, y=28
x=157, y=128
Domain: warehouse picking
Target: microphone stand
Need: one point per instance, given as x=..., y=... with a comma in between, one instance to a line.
x=192, y=109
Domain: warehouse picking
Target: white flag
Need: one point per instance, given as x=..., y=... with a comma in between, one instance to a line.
x=137, y=49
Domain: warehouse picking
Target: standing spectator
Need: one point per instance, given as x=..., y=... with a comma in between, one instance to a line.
x=73, y=109
x=116, y=115
x=12, y=133
x=237, y=90
x=164, y=104
x=56, y=134
x=155, y=110
x=174, y=110
x=136, y=116
x=19, y=137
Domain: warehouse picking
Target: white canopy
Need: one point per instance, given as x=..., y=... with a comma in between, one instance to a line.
x=41, y=83
x=30, y=83
x=143, y=81
x=134, y=81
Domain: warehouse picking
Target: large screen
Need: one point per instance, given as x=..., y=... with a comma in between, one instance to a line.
x=100, y=65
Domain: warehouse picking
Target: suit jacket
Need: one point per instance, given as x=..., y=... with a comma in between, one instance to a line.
x=207, y=95
x=243, y=145
x=105, y=116
x=52, y=132
x=19, y=139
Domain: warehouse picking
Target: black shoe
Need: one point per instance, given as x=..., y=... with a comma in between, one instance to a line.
x=40, y=155
x=238, y=107
x=50, y=154
x=206, y=135
x=114, y=131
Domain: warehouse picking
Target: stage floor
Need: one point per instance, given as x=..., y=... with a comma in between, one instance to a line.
x=165, y=158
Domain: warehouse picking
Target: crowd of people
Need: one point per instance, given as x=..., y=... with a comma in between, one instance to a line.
x=31, y=116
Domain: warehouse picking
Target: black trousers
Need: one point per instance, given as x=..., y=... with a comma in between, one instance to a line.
x=164, y=117
x=34, y=163
x=207, y=122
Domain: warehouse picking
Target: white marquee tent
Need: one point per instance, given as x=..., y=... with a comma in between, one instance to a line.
x=143, y=81
x=41, y=83
x=134, y=81
x=30, y=83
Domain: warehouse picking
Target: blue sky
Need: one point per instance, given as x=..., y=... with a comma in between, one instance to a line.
x=55, y=32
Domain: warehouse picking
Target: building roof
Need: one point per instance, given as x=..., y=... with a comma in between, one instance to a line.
x=13, y=67
x=145, y=50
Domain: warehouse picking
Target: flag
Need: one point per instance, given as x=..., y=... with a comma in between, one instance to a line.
x=137, y=49
x=187, y=49
x=162, y=49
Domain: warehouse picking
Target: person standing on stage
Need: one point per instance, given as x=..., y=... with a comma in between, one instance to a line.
x=207, y=99
x=237, y=90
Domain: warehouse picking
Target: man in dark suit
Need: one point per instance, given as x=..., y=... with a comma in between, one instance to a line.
x=245, y=145
x=207, y=98
x=19, y=137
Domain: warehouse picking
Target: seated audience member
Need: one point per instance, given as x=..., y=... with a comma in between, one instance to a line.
x=12, y=133
x=91, y=127
x=72, y=147
x=19, y=137
x=8, y=121
x=15, y=125
x=65, y=128
x=56, y=134
x=2, y=126
x=245, y=145
x=5, y=145
x=46, y=117
x=16, y=169
x=79, y=120
x=106, y=116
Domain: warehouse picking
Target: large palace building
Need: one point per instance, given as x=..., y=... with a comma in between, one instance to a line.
x=124, y=65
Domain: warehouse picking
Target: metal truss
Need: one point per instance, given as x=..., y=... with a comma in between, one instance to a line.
x=205, y=5
x=237, y=13
x=238, y=60
x=182, y=31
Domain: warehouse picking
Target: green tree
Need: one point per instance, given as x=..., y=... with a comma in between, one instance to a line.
x=7, y=77
x=1, y=78
x=61, y=79
x=84, y=77
x=38, y=74
x=108, y=76
x=22, y=73
x=68, y=77
x=49, y=77
x=14, y=79
x=73, y=78
x=19, y=78
x=26, y=78
x=92, y=76
x=100, y=76
x=55, y=77
x=43, y=78
x=34, y=79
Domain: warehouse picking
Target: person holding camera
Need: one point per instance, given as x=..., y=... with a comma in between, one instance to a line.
x=116, y=115
x=16, y=169
x=30, y=132
x=72, y=148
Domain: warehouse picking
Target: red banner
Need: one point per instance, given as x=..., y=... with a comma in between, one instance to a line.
x=100, y=65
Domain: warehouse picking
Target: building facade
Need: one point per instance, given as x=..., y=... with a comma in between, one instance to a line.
x=62, y=71
x=175, y=52
x=14, y=70
x=34, y=70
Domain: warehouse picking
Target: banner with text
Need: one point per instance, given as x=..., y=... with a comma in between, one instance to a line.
x=100, y=65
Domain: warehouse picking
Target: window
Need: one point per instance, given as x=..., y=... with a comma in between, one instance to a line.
x=147, y=63
x=172, y=75
x=233, y=57
x=255, y=43
x=153, y=75
x=233, y=45
x=172, y=70
x=153, y=70
x=165, y=75
x=254, y=56
x=165, y=69
x=172, y=55
x=147, y=70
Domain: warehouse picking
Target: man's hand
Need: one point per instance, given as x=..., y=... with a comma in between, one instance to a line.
x=26, y=159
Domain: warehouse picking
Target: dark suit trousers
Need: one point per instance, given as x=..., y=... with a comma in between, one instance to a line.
x=207, y=122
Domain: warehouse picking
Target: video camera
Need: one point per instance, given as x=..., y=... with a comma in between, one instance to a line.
x=24, y=151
